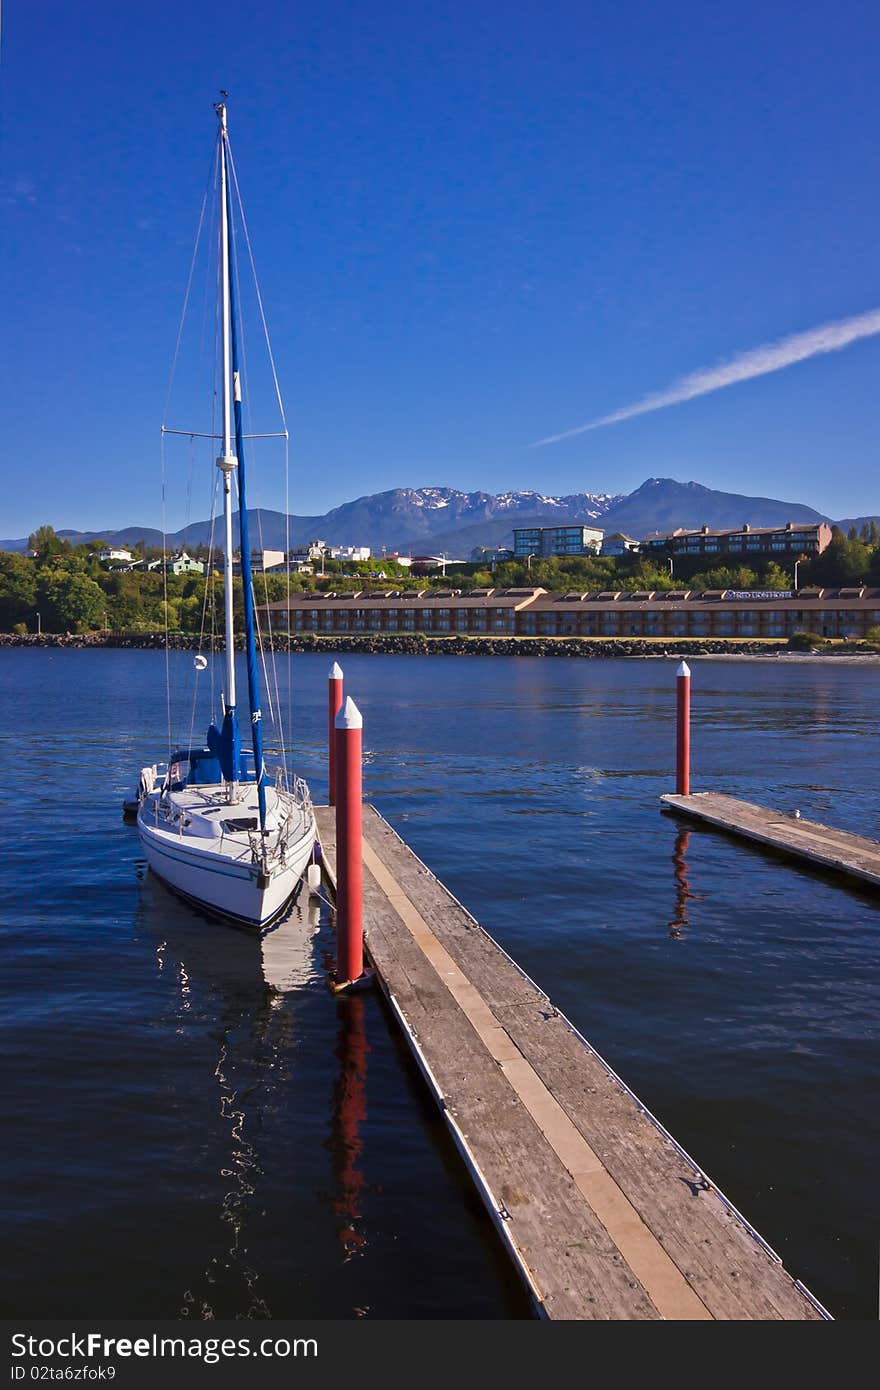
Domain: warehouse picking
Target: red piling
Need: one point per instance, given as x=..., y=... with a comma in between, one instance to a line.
x=334, y=705
x=349, y=845
x=683, y=731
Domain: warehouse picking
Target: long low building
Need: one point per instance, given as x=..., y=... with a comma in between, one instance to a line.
x=535, y=612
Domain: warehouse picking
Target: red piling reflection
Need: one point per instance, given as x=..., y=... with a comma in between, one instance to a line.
x=682, y=883
x=349, y=1114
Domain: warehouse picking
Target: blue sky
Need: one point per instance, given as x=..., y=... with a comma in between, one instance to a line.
x=476, y=225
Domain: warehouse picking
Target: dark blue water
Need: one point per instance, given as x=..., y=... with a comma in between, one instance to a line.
x=196, y=1127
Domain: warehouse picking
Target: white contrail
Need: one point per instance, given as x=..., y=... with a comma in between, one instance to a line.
x=771, y=357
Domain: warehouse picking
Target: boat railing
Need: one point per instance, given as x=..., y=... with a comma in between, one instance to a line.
x=151, y=778
x=296, y=788
x=301, y=793
x=263, y=851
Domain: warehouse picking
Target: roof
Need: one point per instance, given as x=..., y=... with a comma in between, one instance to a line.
x=745, y=530
x=684, y=601
x=409, y=598
x=570, y=524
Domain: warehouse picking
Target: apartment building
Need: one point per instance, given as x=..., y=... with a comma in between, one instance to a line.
x=742, y=542
x=545, y=541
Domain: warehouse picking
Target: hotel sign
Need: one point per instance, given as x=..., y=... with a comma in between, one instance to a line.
x=759, y=593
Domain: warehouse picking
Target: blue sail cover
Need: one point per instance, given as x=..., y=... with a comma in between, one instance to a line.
x=204, y=763
x=204, y=768
x=230, y=747
x=219, y=760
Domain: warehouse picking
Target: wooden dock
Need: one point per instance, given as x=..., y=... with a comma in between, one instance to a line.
x=604, y=1214
x=803, y=839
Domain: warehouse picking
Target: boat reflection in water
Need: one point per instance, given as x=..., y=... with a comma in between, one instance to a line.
x=252, y=1012
x=288, y=948
x=281, y=957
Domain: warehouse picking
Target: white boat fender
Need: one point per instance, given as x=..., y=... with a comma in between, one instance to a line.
x=313, y=878
x=147, y=782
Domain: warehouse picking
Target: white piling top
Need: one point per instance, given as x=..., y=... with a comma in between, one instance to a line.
x=335, y=672
x=349, y=717
x=683, y=670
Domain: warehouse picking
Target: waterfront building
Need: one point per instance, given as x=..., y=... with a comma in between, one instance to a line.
x=545, y=541
x=534, y=612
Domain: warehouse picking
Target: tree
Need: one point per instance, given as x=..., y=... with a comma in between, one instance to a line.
x=842, y=561
x=873, y=575
x=47, y=545
x=646, y=574
x=774, y=577
x=725, y=578
x=69, y=602
x=18, y=590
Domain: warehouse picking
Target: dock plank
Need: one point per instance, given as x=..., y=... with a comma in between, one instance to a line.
x=712, y=1246
x=718, y=1253
x=606, y=1215
x=576, y=1267
x=809, y=841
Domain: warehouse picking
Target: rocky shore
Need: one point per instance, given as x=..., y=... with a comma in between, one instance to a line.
x=415, y=644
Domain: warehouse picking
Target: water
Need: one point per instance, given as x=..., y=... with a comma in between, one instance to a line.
x=195, y=1127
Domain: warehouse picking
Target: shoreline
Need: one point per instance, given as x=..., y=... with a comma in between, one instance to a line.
x=415, y=644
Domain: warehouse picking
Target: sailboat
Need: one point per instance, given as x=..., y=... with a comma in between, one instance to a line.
x=233, y=839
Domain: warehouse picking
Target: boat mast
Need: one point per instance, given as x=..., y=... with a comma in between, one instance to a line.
x=245, y=548
x=227, y=462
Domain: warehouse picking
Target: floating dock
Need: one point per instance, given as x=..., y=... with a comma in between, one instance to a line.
x=803, y=839
x=604, y=1214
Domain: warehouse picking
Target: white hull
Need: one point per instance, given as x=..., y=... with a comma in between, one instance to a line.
x=220, y=873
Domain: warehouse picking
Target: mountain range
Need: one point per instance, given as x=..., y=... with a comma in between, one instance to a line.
x=445, y=520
